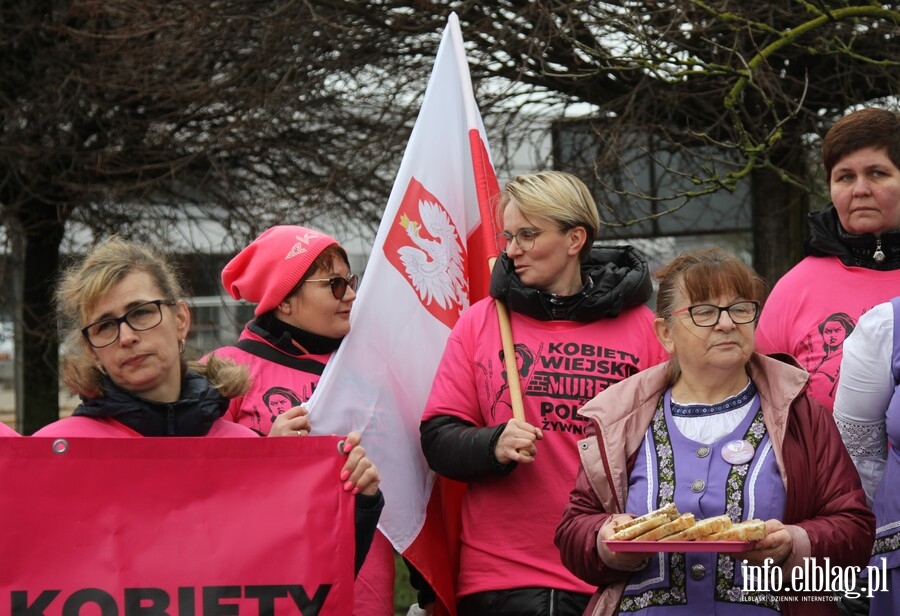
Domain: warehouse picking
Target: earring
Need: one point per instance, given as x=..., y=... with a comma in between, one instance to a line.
x=101, y=369
x=181, y=347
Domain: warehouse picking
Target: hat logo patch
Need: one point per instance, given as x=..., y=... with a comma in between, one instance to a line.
x=300, y=247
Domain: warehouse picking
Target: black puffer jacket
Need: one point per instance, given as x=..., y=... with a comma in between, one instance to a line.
x=192, y=415
x=829, y=238
x=616, y=278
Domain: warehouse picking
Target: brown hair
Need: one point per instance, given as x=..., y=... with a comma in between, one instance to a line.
x=865, y=128
x=700, y=275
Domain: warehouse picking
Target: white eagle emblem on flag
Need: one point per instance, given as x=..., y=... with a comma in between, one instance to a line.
x=434, y=264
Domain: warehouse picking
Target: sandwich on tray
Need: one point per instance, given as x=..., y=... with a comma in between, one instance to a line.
x=667, y=524
x=748, y=530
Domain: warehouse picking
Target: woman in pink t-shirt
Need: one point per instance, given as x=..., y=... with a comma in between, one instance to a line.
x=580, y=324
x=124, y=325
x=853, y=253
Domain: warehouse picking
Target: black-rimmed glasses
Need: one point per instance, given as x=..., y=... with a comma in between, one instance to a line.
x=708, y=315
x=140, y=318
x=338, y=284
x=524, y=238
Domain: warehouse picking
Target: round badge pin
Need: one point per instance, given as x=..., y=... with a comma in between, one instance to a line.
x=738, y=452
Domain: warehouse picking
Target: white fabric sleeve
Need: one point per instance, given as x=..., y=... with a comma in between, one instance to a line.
x=864, y=392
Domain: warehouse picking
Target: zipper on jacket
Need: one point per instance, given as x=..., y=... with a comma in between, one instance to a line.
x=170, y=421
x=552, y=602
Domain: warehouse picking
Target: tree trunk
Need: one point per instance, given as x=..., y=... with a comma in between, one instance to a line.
x=779, y=216
x=37, y=398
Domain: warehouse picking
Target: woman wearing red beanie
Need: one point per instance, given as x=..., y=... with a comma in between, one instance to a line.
x=301, y=284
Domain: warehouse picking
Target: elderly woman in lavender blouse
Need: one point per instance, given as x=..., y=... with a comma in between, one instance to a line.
x=718, y=430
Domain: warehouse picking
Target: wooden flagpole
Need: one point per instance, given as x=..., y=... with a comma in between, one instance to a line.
x=509, y=356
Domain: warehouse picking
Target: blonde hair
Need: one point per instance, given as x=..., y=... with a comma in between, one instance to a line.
x=231, y=379
x=559, y=196
x=82, y=285
x=85, y=283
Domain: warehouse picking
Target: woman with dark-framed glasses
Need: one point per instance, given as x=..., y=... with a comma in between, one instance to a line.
x=718, y=430
x=124, y=322
x=577, y=313
x=300, y=281
x=124, y=325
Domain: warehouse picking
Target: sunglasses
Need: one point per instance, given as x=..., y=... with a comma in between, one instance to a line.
x=338, y=284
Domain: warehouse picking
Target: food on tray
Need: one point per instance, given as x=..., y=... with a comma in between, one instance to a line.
x=670, y=511
x=749, y=530
x=702, y=529
x=682, y=522
x=667, y=524
x=642, y=524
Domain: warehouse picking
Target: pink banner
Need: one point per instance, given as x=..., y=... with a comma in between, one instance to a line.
x=174, y=527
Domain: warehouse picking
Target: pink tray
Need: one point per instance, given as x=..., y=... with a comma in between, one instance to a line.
x=680, y=546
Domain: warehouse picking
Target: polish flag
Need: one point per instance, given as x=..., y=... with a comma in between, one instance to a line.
x=428, y=264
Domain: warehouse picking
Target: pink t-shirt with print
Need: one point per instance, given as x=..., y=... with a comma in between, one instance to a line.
x=508, y=522
x=811, y=311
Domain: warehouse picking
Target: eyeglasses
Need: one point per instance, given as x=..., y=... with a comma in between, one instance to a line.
x=140, y=318
x=524, y=238
x=707, y=315
x=339, y=284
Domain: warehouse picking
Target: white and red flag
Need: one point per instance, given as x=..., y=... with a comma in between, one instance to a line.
x=428, y=264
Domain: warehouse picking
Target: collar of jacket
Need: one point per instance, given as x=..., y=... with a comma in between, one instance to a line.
x=829, y=239
x=192, y=415
x=622, y=412
x=291, y=340
x=617, y=278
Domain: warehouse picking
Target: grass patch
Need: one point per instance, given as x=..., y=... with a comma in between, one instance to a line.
x=404, y=594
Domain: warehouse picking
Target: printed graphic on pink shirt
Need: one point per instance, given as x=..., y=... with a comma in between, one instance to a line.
x=822, y=354
x=559, y=377
x=280, y=399
x=260, y=409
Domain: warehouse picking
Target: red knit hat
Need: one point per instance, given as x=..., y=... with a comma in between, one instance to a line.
x=266, y=270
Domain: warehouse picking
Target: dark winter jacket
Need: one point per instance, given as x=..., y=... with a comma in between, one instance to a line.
x=829, y=238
